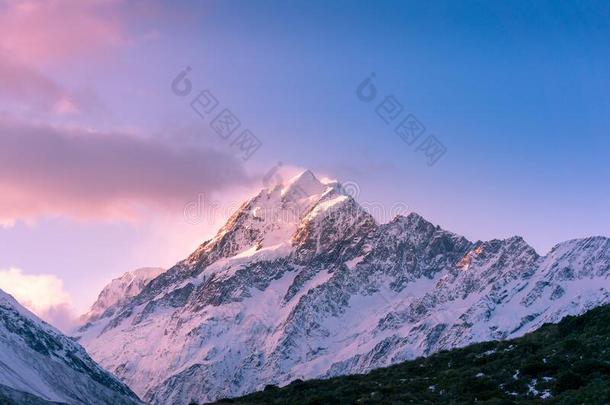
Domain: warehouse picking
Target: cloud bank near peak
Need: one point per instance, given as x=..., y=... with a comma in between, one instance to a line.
x=46, y=170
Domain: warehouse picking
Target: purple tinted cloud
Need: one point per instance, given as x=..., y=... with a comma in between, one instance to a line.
x=24, y=86
x=47, y=170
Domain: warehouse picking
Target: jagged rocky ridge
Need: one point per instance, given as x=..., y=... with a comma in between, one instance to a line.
x=39, y=365
x=303, y=283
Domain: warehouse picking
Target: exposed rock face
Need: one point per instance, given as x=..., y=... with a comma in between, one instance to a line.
x=39, y=365
x=302, y=283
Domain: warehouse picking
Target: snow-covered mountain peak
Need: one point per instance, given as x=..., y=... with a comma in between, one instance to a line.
x=578, y=258
x=8, y=301
x=590, y=244
x=120, y=289
x=303, y=185
x=412, y=221
x=510, y=244
x=276, y=216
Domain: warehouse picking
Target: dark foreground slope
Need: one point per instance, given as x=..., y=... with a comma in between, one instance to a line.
x=565, y=363
x=40, y=365
x=11, y=396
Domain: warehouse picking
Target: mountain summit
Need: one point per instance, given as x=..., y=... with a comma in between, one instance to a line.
x=119, y=290
x=301, y=282
x=305, y=184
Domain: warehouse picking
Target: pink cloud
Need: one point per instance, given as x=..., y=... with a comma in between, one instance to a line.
x=26, y=89
x=82, y=174
x=43, y=294
x=39, y=39
x=41, y=32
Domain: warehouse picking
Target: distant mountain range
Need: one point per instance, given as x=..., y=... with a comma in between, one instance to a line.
x=302, y=283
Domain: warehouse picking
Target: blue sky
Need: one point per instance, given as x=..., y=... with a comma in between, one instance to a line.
x=516, y=91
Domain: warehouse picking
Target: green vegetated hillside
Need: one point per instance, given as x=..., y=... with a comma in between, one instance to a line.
x=565, y=363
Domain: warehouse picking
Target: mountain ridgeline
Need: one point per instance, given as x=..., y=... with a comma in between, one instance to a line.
x=302, y=283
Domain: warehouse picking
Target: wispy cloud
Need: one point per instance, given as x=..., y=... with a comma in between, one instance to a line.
x=46, y=170
x=25, y=89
